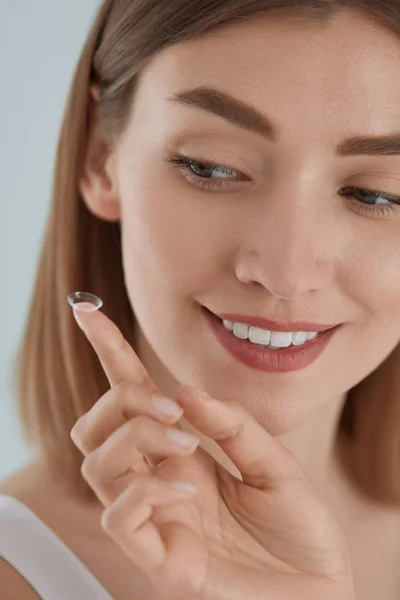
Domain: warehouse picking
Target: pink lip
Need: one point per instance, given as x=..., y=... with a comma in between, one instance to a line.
x=275, y=325
x=264, y=359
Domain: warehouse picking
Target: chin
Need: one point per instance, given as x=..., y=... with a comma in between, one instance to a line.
x=280, y=424
x=277, y=413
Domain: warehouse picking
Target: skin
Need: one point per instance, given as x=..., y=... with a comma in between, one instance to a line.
x=244, y=253
x=266, y=533
x=320, y=261
x=333, y=263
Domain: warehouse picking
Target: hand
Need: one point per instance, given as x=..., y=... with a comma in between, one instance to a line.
x=267, y=537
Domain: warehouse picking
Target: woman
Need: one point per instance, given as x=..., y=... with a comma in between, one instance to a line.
x=228, y=184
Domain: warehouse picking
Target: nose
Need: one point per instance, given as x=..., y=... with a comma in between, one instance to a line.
x=285, y=250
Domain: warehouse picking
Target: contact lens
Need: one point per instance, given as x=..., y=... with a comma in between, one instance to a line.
x=78, y=297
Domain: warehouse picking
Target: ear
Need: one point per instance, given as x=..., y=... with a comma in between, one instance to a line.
x=97, y=182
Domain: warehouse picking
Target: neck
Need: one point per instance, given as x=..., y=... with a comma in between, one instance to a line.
x=314, y=443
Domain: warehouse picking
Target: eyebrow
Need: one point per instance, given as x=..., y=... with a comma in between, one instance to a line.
x=247, y=117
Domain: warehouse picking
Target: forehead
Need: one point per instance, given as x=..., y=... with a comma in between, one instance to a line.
x=352, y=44
x=303, y=73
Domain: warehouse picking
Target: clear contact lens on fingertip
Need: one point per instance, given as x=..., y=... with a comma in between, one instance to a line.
x=76, y=298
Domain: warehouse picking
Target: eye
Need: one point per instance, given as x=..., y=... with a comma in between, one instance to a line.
x=379, y=204
x=201, y=173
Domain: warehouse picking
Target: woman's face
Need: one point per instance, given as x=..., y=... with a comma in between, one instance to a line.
x=281, y=240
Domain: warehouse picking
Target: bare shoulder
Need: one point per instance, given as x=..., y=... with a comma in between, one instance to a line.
x=23, y=485
x=78, y=525
x=20, y=485
x=51, y=501
x=13, y=586
x=22, y=481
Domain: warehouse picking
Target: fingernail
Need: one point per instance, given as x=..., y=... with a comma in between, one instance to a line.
x=202, y=393
x=180, y=437
x=166, y=407
x=185, y=486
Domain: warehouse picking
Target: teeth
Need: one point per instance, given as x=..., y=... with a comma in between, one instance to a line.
x=241, y=330
x=259, y=336
x=271, y=339
x=228, y=325
x=281, y=340
x=300, y=337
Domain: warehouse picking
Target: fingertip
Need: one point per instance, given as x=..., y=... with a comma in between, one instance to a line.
x=81, y=303
x=77, y=316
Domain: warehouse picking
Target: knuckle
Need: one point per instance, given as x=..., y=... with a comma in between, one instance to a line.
x=126, y=387
x=114, y=518
x=85, y=469
x=89, y=466
x=75, y=435
x=77, y=438
x=128, y=396
x=233, y=426
x=141, y=425
x=125, y=395
x=109, y=520
x=78, y=429
x=136, y=432
x=228, y=432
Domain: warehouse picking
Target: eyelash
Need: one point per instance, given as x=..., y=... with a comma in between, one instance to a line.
x=183, y=163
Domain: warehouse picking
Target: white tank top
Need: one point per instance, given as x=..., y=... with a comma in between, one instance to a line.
x=42, y=558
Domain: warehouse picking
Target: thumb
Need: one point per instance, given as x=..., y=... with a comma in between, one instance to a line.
x=261, y=460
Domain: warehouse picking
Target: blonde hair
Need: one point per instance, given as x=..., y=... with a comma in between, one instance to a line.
x=57, y=374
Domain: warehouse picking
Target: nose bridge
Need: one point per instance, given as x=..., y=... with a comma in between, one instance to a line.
x=289, y=245
x=290, y=224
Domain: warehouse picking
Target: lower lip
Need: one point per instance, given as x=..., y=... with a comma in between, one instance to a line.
x=263, y=359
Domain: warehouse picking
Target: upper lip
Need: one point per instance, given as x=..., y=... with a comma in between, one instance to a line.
x=275, y=325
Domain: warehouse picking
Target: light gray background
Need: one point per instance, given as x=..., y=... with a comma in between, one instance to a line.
x=40, y=41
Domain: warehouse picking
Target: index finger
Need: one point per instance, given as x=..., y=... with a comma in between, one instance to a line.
x=115, y=354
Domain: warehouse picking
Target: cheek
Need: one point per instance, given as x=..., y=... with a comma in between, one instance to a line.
x=373, y=284
x=376, y=269
x=172, y=240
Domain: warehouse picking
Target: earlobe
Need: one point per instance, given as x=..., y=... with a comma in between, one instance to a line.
x=97, y=183
x=94, y=91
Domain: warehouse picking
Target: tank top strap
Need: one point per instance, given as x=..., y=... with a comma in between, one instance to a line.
x=42, y=558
